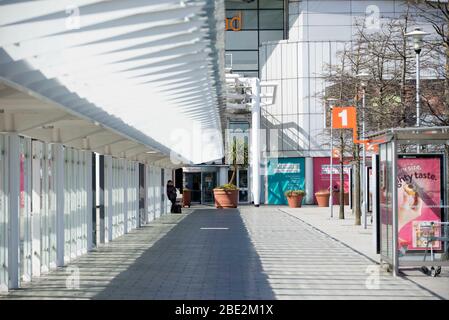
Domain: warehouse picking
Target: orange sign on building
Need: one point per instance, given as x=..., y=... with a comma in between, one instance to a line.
x=336, y=153
x=374, y=148
x=234, y=23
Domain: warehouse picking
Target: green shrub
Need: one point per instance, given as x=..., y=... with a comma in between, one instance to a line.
x=292, y=193
x=228, y=186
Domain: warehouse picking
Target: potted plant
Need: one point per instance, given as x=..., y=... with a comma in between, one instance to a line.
x=294, y=198
x=186, y=197
x=322, y=197
x=226, y=196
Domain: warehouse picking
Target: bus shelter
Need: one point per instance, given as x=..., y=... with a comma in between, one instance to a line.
x=413, y=193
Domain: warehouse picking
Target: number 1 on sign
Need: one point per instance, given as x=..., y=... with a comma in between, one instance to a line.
x=344, y=117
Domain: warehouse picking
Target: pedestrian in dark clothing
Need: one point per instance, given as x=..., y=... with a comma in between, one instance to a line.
x=171, y=194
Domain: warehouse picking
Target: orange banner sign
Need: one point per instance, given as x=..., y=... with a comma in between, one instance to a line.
x=344, y=118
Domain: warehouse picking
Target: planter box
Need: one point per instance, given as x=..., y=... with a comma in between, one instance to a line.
x=186, y=198
x=226, y=198
x=294, y=201
x=322, y=198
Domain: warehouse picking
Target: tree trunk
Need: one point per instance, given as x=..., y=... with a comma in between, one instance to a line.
x=234, y=172
x=446, y=80
x=341, y=214
x=357, y=205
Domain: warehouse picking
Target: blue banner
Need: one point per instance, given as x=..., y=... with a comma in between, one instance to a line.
x=284, y=174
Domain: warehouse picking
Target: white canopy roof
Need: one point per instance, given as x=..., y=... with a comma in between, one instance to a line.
x=148, y=69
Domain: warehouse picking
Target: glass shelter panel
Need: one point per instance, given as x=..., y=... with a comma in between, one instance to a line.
x=385, y=202
x=421, y=219
x=25, y=222
x=3, y=215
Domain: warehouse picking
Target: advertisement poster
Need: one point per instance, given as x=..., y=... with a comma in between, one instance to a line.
x=419, y=201
x=284, y=174
x=321, y=175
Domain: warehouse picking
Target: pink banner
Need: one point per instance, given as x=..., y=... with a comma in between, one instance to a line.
x=321, y=175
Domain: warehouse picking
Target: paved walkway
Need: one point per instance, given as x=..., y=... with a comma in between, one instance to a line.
x=361, y=240
x=258, y=253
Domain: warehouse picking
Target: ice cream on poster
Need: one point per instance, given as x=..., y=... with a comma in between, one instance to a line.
x=419, y=194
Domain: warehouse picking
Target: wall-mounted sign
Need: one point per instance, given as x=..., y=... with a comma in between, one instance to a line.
x=234, y=23
x=336, y=168
x=321, y=175
x=287, y=168
x=284, y=174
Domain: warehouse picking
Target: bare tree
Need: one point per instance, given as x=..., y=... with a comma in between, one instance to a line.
x=436, y=14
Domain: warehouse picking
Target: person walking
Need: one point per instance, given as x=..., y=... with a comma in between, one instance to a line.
x=171, y=194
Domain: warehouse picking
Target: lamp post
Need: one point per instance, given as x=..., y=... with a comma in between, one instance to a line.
x=331, y=102
x=363, y=83
x=417, y=35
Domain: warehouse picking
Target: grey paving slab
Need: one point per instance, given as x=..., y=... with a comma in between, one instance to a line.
x=361, y=240
x=263, y=254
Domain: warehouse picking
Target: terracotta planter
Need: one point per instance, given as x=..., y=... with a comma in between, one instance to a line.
x=294, y=201
x=186, y=198
x=322, y=198
x=226, y=198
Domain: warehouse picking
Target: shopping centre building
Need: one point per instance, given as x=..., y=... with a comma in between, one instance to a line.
x=288, y=44
x=102, y=102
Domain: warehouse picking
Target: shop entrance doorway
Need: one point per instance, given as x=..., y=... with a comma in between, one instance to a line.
x=209, y=182
x=192, y=181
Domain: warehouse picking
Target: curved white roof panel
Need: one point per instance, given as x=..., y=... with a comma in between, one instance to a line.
x=144, y=68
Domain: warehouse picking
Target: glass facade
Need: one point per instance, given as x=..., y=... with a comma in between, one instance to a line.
x=248, y=25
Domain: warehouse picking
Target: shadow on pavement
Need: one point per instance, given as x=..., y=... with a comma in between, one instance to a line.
x=194, y=263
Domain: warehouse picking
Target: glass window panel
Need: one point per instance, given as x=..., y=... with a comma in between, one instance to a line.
x=243, y=195
x=249, y=73
x=239, y=4
x=244, y=126
x=241, y=40
x=271, y=19
x=241, y=19
x=243, y=179
x=270, y=35
x=244, y=60
x=271, y=4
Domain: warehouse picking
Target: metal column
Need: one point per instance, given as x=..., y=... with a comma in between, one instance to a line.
x=13, y=141
x=58, y=150
x=89, y=193
x=394, y=162
x=255, y=141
